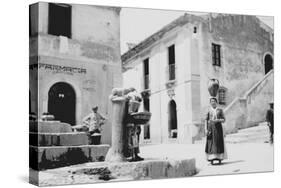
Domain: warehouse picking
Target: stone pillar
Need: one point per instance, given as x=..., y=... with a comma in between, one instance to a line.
x=115, y=153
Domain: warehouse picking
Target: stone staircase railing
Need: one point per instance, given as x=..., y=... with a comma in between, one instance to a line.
x=249, y=109
x=257, y=86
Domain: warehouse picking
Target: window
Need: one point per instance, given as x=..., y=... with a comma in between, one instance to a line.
x=222, y=97
x=216, y=54
x=59, y=19
x=172, y=62
x=146, y=73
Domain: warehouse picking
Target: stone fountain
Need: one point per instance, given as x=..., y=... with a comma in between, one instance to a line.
x=125, y=104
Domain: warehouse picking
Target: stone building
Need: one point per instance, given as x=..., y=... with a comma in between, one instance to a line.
x=172, y=68
x=74, y=60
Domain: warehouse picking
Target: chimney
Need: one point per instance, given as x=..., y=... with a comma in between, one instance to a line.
x=210, y=22
x=130, y=45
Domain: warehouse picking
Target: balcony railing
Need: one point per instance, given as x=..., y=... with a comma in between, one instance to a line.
x=146, y=82
x=172, y=72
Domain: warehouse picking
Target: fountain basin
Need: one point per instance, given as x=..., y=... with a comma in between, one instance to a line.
x=139, y=117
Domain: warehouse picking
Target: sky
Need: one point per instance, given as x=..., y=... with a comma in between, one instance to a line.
x=138, y=24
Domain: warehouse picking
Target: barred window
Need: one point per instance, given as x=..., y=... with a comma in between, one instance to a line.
x=222, y=96
x=216, y=54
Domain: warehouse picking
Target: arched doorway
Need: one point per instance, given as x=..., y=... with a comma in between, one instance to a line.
x=268, y=63
x=172, y=119
x=62, y=102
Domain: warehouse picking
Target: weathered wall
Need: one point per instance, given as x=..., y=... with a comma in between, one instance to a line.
x=90, y=59
x=244, y=42
x=235, y=115
x=258, y=100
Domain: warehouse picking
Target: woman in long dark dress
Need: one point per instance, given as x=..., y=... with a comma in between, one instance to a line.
x=215, y=147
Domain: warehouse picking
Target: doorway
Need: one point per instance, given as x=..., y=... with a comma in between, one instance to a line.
x=172, y=119
x=268, y=63
x=62, y=102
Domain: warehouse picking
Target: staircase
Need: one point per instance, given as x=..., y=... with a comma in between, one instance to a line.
x=249, y=110
x=256, y=134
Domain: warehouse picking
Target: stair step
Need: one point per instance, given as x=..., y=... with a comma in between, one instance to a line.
x=246, y=140
x=258, y=128
x=49, y=157
x=258, y=133
x=247, y=135
x=58, y=139
x=257, y=139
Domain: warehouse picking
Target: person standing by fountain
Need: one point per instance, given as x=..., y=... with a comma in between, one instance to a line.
x=94, y=121
x=215, y=146
x=133, y=130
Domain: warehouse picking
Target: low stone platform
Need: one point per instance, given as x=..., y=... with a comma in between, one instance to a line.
x=49, y=127
x=125, y=171
x=58, y=139
x=42, y=158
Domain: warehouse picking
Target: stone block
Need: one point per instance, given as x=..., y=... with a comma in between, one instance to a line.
x=58, y=139
x=49, y=127
x=59, y=156
x=120, y=171
x=154, y=169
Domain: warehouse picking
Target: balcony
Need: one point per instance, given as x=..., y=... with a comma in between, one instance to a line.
x=146, y=82
x=170, y=76
x=171, y=72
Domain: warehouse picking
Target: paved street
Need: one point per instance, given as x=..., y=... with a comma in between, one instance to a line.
x=244, y=156
x=247, y=153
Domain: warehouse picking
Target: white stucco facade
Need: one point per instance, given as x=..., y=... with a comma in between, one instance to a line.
x=192, y=38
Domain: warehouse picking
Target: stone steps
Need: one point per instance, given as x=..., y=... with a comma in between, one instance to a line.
x=53, y=144
x=49, y=127
x=58, y=139
x=48, y=157
x=254, y=134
